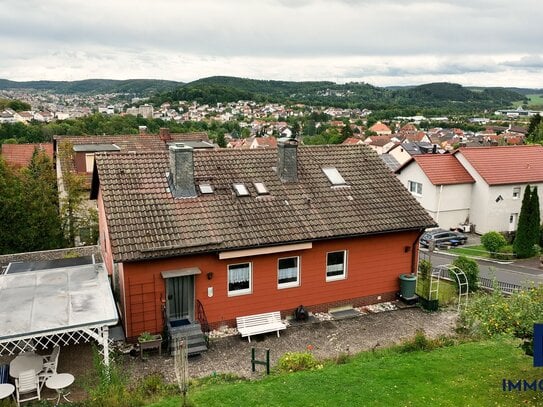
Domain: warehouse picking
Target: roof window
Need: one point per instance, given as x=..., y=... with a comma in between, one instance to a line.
x=261, y=188
x=334, y=176
x=241, y=190
x=206, y=188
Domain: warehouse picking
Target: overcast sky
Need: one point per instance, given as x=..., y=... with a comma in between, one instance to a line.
x=382, y=42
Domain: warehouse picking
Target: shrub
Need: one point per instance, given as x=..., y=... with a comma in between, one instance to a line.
x=506, y=253
x=296, y=361
x=418, y=342
x=493, y=242
x=470, y=269
x=425, y=267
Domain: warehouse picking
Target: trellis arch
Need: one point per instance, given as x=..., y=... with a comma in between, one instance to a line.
x=444, y=271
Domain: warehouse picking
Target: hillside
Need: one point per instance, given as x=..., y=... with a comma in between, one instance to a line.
x=136, y=86
x=433, y=97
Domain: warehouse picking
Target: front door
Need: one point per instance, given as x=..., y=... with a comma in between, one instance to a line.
x=513, y=219
x=180, y=295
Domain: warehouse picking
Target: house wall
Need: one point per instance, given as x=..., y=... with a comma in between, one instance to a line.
x=80, y=162
x=448, y=206
x=373, y=266
x=103, y=240
x=486, y=213
x=400, y=154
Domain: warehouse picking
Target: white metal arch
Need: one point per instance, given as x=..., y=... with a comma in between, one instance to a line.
x=445, y=271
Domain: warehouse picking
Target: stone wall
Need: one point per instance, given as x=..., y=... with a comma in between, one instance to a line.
x=52, y=255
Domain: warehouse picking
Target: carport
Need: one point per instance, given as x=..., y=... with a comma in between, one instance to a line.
x=41, y=309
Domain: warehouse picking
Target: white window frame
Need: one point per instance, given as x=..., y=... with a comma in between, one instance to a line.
x=89, y=162
x=517, y=190
x=290, y=283
x=416, y=190
x=241, y=291
x=342, y=276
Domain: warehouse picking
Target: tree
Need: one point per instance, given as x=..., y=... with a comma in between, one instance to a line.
x=534, y=124
x=221, y=142
x=535, y=217
x=524, y=243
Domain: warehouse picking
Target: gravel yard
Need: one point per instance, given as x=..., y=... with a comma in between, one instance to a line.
x=231, y=354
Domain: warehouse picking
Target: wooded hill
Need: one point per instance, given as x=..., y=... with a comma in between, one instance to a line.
x=94, y=86
x=428, y=98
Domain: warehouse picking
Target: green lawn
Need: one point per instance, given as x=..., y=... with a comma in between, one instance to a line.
x=470, y=251
x=468, y=374
x=535, y=99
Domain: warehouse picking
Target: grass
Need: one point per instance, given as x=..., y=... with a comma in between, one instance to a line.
x=469, y=374
x=535, y=99
x=471, y=251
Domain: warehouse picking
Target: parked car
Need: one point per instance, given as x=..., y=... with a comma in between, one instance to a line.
x=440, y=237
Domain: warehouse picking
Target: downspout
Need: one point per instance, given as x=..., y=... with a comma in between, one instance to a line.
x=415, y=253
x=439, y=203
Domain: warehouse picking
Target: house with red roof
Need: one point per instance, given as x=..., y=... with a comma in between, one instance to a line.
x=19, y=155
x=501, y=174
x=381, y=129
x=480, y=185
x=441, y=185
x=201, y=237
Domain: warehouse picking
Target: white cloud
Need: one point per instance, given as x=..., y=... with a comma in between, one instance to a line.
x=385, y=42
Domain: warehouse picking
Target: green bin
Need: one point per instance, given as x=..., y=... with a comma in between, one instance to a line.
x=408, y=283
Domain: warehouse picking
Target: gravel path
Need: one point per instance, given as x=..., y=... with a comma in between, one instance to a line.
x=327, y=339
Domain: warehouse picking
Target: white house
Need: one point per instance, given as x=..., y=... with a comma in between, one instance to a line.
x=441, y=185
x=483, y=185
x=501, y=175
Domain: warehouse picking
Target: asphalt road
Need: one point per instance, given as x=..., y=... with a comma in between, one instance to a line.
x=511, y=273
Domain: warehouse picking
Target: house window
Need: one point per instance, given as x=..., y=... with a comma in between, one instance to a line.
x=206, y=188
x=334, y=176
x=415, y=188
x=261, y=188
x=288, y=272
x=241, y=190
x=89, y=162
x=239, y=279
x=516, y=192
x=336, y=265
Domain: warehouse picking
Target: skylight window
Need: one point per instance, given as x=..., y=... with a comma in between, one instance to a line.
x=241, y=190
x=261, y=188
x=206, y=189
x=334, y=176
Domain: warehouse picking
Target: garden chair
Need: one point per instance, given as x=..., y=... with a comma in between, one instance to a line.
x=49, y=366
x=27, y=383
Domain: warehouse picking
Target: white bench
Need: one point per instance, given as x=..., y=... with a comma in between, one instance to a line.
x=260, y=324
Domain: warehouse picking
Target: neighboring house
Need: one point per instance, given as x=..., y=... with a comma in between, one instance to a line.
x=501, y=175
x=483, y=185
x=442, y=186
x=261, y=142
x=403, y=152
x=352, y=141
x=19, y=155
x=381, y=129
x=241, y=232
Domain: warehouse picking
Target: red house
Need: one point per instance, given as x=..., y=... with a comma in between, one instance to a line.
x=241, y=232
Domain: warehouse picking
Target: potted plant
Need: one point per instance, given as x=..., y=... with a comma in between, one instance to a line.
x=147, y=340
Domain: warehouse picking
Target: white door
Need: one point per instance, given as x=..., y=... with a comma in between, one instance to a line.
x=513, y=219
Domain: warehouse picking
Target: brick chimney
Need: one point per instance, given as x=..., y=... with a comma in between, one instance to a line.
x=287, y=159
x=164, y=134
x=181, y=177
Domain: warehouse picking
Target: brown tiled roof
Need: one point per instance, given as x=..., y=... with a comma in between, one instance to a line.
x=506, y=164
x=145, y=221
x=443, y=169
x=19, y=155
x=126, y=142
x=194, y=136
x=352, y=140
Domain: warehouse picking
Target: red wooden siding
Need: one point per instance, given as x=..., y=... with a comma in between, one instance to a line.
x=373, y=266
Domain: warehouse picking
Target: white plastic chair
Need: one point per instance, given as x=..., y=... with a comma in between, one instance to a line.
x=27, y=383
x=49, y=366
